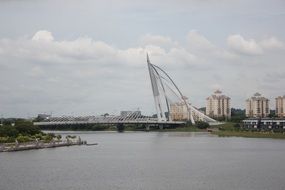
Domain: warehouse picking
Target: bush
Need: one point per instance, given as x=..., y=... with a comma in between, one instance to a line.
x=99, y=127
x=3, y=139
x=7, y=139
x=22, y=139
x=202, y=125
x=48, y=137
x=39, y=136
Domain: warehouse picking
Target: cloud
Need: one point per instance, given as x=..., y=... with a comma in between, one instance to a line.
x=271, y=43
x=199, y=45
x=43, y=35
x=196, y=41
x=157, y=40
x=89, y=76
x=252, y=47
x=239, y=44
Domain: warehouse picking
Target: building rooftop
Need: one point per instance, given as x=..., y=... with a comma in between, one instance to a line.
x=280, y=97
x=218, y=94
x=257, y=96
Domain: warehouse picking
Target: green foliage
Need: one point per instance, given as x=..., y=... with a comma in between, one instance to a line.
x=22, y=139
x=23, y=122
x=23, y=131
x=99, y=127
x=27, y=128
x=48, y=137
x=228, y=126
x=237, y=115
x=78, y=127
x=250, y=134
x=7, y=139
x=39, y=136
x=202, y=125
x=188, y=124
x=3, y=139
x=8, y=131
x=237, y=126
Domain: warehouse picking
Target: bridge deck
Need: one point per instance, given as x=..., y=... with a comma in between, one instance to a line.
x=108, y=122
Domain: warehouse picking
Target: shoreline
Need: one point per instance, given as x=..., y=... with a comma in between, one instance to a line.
x=218, y=133
x=250, y=134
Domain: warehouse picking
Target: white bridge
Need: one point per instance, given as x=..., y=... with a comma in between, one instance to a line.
x=172, y=107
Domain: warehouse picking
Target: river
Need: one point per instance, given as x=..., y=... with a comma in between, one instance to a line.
x=149, y=160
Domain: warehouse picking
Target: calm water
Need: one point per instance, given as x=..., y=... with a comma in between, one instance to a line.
x=165, y=161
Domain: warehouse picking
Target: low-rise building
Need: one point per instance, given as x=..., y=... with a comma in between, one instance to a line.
x=280, y=106
x=257, y=106
x=264, y=124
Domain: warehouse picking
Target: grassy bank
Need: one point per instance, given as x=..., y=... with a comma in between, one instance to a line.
x=230, y=129
x=250, y=134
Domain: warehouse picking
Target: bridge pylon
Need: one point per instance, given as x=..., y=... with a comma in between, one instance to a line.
x=163, y=87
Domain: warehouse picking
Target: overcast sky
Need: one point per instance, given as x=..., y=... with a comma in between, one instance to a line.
x=71, y=57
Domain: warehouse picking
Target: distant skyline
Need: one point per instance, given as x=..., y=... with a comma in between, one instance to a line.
x=89, y=57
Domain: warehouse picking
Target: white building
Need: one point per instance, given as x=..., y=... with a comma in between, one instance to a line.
x=218, y=105
x=280, y=105
x=257, y=106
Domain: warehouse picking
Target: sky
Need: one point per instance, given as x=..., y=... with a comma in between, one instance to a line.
x=89, y=57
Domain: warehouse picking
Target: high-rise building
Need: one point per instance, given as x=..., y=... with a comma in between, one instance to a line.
x=280, y=106
x=257, y=106
x=218, y=105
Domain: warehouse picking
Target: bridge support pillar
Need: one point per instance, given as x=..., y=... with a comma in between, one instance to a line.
x=160, y=126
x=120, y=127
x=147, y=127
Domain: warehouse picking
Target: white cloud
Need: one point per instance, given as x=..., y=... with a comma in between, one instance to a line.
x=182, y=56
x=196, y=41
x=272, y=43
x=157, y=40
x=252, y=47
x=239, y=44
x=43, y=35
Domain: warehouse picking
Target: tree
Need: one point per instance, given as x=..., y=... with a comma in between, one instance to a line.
x=202, y=125
x=8, y=131
x=27, y=129
x=105, y=114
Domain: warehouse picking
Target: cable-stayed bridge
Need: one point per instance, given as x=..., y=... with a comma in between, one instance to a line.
x=172, y=107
